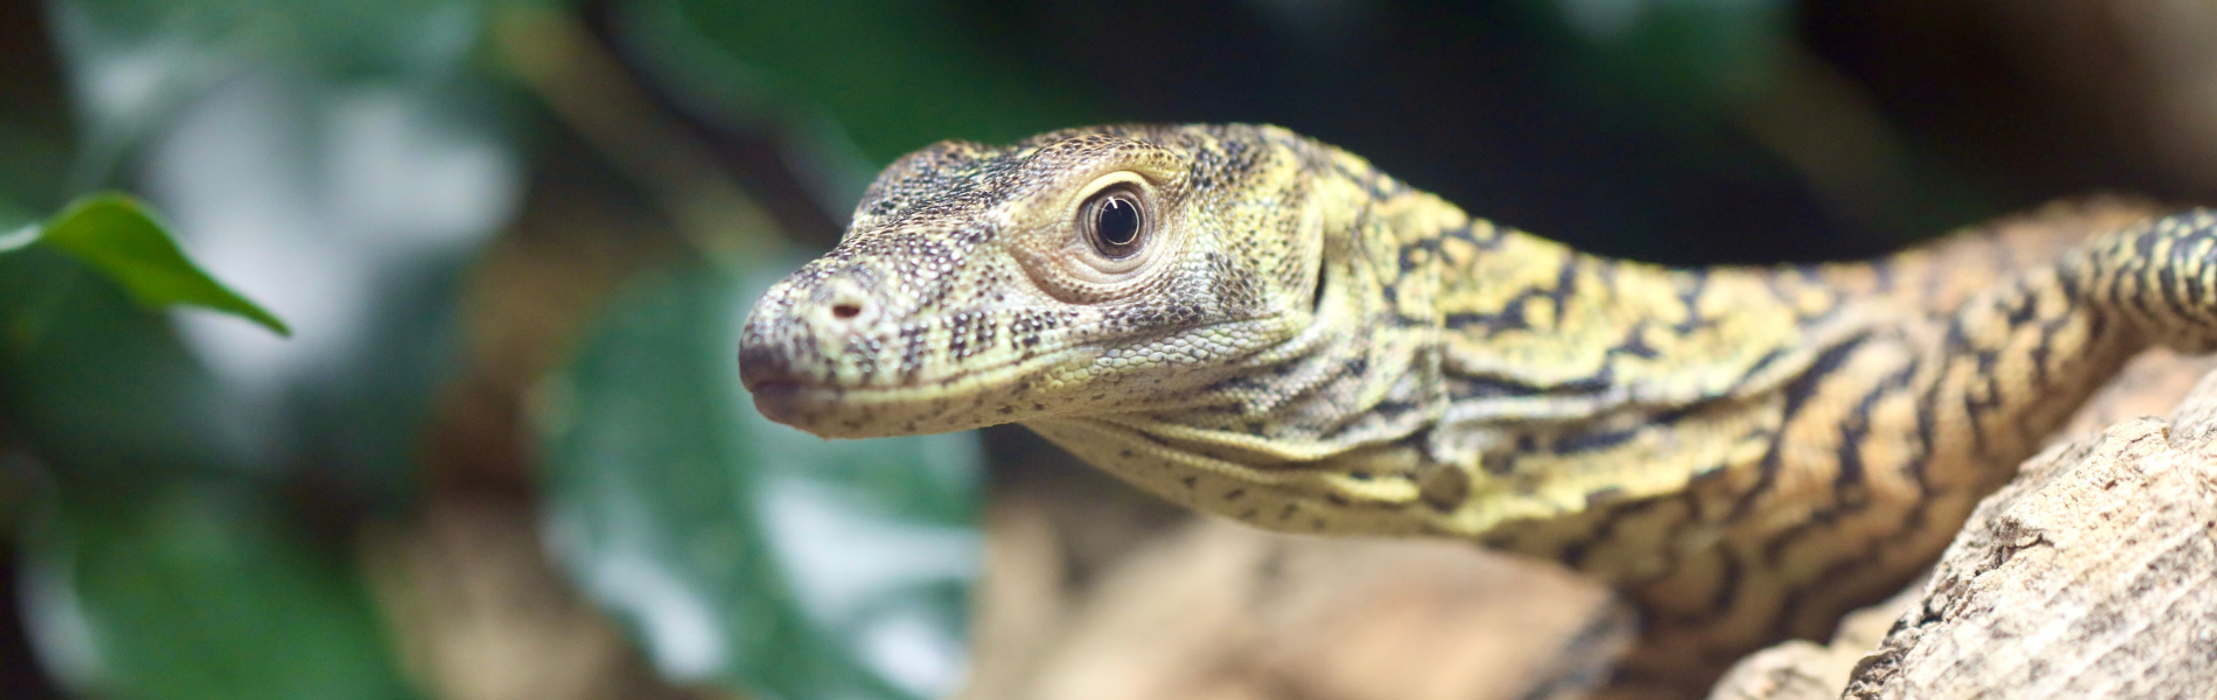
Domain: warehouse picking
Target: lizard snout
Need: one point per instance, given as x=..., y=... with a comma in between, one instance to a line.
x=804, y=346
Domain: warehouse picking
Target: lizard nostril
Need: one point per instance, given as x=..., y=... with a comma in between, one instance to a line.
x=842, y=303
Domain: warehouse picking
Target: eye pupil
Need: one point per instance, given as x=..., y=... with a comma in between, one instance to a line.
x=1117, y=222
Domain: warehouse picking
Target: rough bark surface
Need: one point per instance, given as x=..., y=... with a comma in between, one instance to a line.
x=2093, y=575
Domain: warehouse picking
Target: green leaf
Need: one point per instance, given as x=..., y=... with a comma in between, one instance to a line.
x=99, y=388
x=115, y=234
x=742, y=551
x=198, y=591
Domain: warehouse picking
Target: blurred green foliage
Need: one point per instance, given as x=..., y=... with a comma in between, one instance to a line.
x=892, y=75
x=103, y=392
x=165, y=554
x=142, y=576
x=200, y=591
x=169, y=552
x=846, y=86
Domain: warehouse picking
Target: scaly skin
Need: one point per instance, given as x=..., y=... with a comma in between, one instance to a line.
x=1308, y=345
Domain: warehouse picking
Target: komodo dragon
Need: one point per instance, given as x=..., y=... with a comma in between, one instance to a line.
x=1258, y=325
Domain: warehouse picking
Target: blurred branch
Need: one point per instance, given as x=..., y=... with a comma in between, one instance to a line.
x=584, y=86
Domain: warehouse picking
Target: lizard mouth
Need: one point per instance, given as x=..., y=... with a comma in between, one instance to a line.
x=788, y=397
x=836, y=410
x=786, y=401
x=788, y=392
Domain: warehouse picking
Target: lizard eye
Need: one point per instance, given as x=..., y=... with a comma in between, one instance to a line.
x=1114, y=222
x=1118, y=229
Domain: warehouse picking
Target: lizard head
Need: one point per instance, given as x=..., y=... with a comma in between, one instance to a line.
x=1080, y=272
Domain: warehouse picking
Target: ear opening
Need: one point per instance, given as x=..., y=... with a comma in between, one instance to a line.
x=1316, y=297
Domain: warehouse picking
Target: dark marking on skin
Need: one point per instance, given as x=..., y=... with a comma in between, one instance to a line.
x=1498, y=463
x=1514, y=313
x=1602, y=497
x=1468, y=234
x=1612, y=518
x=1566, y=282
x=1842, y=568
x=1761, y=363
x=1674, y=557
x=1596, y=383
x=1237, y=383
x=1853, y=496
x=1690, y=298
x=1458, y=322
x=1409, y=259
x=2042, y=348
x=1927, y=427
x=1444, y=489
x=1729, y=582
x=1573, y=555
x=1594, y=441
x=1463, y=388
x=2020, y=309
x=1635, y=344
x=1797, y=394
x=1498, y=541
x=2196, y=294
x=1316, y=297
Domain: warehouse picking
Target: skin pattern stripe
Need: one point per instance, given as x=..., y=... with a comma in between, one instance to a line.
x=1304, y=343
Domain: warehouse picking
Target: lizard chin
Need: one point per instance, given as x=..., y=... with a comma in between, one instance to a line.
x=836, y=412
x=789, y=402
x=822, y=411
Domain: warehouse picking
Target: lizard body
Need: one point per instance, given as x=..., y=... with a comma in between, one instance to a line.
x=1257, y=325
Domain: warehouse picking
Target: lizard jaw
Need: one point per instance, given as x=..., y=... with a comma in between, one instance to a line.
x=790, y=402
x=785, y=391
x=785, y=394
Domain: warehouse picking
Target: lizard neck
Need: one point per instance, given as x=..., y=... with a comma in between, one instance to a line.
x=1458, y=377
